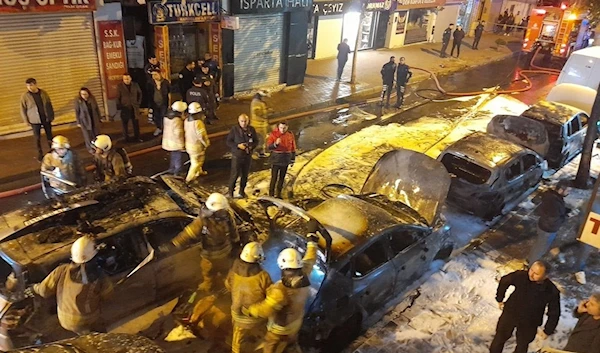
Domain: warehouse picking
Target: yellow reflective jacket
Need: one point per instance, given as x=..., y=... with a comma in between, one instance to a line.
x=284, y=303
x=173, y=136
x=258, y=113
x=196, y=138
x=248, y=284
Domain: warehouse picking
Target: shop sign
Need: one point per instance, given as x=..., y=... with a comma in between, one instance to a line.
x=401, y=24
x=20, y=6
x=378, y=5
x=177, y=11
x=230, y=22
x=161, y=40
x=330, y=8
x=112, y=48
x=269, y=6
x=215, y=41
x=590, y=230
x=418, y=4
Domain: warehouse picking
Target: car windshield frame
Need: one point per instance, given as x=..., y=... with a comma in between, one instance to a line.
x=459, y=156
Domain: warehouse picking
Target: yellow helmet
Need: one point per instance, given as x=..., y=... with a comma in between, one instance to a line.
x=60, y=141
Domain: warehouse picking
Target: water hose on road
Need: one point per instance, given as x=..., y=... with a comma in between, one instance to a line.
x=439, y=88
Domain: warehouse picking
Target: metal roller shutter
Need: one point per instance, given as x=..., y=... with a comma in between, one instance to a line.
x=257, y=52
x=59, y=50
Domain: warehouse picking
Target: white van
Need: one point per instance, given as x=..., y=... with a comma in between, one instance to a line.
x=582, y=68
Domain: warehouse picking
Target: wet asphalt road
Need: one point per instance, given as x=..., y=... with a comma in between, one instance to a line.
x=321, y=130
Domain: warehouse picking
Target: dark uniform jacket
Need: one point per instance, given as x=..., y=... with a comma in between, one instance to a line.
x=585, y=337
x=403, y=74
x=148, y=68
x=529, y=300
x=186, y=77
x=237, y=135
x=387, y=72
x=479, y=30
x=446, y=36
x=197, y=94
x=458, y=35
x=552, y=211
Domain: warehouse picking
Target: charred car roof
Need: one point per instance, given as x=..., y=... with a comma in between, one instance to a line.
x=35, y=231
x=485, y=150
x=555, y=113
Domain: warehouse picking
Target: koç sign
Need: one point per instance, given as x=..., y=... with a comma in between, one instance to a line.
x=269, y=6
x=174, y=11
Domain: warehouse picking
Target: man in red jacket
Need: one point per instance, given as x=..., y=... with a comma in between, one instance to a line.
x=282, y=145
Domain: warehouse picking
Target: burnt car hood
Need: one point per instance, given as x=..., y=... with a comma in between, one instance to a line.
x=98, y=342
x=410, y=177
x=523, y=131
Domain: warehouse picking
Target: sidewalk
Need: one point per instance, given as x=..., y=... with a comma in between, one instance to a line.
x=320, y=90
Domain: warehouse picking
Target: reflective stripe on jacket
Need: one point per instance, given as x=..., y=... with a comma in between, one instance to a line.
x=173, y=136
x=196, y=138
x=248, y=284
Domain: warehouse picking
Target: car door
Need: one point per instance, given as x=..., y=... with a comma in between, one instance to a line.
x=179, y=268
x=118, y=256
x=531, y=170
x=409, y=255
x=513, y=175
x=373, y=275
x=574, y=137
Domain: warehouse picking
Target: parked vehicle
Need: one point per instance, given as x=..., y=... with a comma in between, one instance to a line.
x=373, y=245
x=97, y=342
x=582, y=68
x=556, y=131
x=130, y=219
x=488, y=172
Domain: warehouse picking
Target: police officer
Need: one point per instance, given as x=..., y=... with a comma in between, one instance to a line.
x=213, y=98
x=259, y=120
x=199, y=95
x=186, y=77
x=64, y=164
x=387, y=75
x=79, y=287
x=478, y=33
x=111, y=162
x=173, y=139
x=213, y=69
x=403, y=74
x=284, y=304
x=446, y=39
x=196, y=140
x=248, y=284
x=215, y=229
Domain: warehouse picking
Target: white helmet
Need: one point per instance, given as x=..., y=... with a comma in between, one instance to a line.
x=216, y=202
x=252, y=253
x=263, y=93
x=83, y=250
x=289, y=259
x=102, y=142
x=194, y=108
x=60, y=142
x=179, y=106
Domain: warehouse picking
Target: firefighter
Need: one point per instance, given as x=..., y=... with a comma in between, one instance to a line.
x=216, y=231
x=200, y=95
x=111, y=162
x=196, y=141
x=284, y=304
x=64, y=164
x=259, y=120
x=79, y=287
x=248, y=284
x=173, y=136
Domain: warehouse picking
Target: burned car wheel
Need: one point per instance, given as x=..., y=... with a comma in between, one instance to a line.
x=492, y=205
x=340, y=337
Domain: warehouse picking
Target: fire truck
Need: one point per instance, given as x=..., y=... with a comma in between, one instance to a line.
x=553, y=28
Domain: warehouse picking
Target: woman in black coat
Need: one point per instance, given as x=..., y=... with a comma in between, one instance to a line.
x=87, y=114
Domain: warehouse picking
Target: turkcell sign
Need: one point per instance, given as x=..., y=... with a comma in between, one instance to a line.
x=269, y=6
x=175, y=11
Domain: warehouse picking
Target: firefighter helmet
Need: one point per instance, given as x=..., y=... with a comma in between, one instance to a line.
x=263, y=93
x=83, y=250
x=102, y=142
x=194, y=108
x=252, y=253
x=289, y=259
x=60, y=142
x=216, y=202
x=179, y=106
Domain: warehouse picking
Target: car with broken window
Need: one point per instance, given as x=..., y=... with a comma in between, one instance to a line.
x=489, y=172
x=130, y=221
x=97, y=342
x=556, y=131
x=373, y=245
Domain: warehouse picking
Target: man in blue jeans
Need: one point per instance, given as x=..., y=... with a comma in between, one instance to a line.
x=553, y=213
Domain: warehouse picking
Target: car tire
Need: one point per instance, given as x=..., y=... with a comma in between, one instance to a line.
x=340, y=337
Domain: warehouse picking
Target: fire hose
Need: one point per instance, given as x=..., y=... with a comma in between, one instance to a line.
x=438, y=88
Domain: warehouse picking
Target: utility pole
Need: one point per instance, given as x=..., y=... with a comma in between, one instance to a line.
x=356, y=45
x=583, y=173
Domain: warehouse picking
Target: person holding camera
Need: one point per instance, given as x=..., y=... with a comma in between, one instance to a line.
x=241, y=140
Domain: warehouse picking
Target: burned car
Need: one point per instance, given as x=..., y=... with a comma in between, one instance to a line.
x=556, y=131
x=373, y=245
x=97, y=342
x=130, y=221
x=488, y=172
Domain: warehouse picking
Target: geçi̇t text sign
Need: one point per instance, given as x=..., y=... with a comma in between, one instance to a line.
x=269, y=6
x=176, y=11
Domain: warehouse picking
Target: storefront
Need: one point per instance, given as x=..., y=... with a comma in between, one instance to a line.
x=413, y=22
x=184, y=32
x=446, y=15
x=329, y=23
x=54, y=42
x=268, y=45
x=374, y=26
